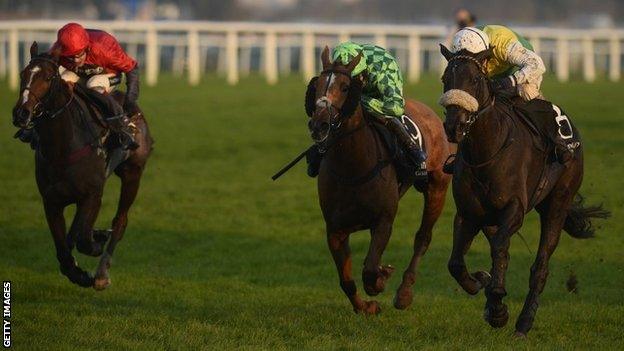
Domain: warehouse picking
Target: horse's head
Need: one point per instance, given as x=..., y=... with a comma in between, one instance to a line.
x=466, y=90
x=332, y=97
x=36, y=81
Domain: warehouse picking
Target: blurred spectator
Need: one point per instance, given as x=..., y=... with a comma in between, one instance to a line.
x=463, y=18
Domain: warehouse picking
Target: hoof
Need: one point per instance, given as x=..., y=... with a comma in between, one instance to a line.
x=370, y=308
x=101, y=236
x=101, y=283
x=375, y=282
x=520, y=335
x=496, y=316
x=403, y=298
x=483, y=278
x=78, y=276
x=93, y=248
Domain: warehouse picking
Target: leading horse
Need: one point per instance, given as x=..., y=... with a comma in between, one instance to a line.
x=70, y=165
x=502, y=172
x=357, y=183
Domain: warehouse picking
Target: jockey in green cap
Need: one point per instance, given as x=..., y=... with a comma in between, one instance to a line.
x=382, y=93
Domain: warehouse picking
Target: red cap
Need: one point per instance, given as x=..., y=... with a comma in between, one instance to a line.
x=72, y=39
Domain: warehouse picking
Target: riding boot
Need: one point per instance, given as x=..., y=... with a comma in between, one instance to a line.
x=411, y=146
x=313, y=158
x=563, y=153
x=120, y=123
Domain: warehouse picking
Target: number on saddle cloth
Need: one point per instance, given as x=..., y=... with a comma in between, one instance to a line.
x=413, y=130
x=565, y=130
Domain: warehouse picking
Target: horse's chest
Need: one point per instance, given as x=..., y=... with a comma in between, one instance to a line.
x=477, y=196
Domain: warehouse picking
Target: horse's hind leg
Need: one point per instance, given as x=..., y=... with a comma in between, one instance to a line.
x=496, y=313
x=69, y=268
x=464, y=232
x=338, y=243
x=130, y=175
x=552, y=217
x=374, y=275
x=434, y=202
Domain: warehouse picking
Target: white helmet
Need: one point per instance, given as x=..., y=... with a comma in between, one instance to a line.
x=470, y=38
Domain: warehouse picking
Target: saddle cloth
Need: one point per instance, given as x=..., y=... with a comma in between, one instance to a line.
x=404, y=167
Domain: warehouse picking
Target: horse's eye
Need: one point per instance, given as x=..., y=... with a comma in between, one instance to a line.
x=345, y=88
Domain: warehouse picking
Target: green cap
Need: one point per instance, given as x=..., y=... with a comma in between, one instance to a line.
x=345, y=52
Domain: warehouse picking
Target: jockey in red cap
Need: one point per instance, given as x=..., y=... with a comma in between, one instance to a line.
x=95, y=58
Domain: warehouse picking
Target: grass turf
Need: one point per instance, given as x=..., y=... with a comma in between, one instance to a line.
x=217, y=256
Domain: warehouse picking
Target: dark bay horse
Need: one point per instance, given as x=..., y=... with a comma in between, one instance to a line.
x=500, y=175
x=70, y=166
x=357, y=185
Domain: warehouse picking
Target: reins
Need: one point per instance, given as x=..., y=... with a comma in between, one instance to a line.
x=335, y=125
x=55, y=81
x=472, y=118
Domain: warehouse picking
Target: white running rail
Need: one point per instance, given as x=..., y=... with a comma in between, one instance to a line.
x=282, y=47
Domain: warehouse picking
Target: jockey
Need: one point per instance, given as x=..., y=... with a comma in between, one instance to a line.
x=514, y=67
x=382, y=93
x=96, y=59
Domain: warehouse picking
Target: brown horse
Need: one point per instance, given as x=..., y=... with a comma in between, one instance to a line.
x=503, y=171
x=70, y=165
x=357, y=184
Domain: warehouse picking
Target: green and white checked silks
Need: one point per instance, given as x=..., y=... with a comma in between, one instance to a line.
x=383, y=93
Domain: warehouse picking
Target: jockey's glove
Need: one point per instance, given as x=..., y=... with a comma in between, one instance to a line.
x=503, y=84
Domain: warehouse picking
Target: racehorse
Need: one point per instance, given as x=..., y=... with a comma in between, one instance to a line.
x=70, y=165
x=357, y=183
x=501, y=173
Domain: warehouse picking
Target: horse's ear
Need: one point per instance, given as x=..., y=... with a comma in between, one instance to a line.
x=310, y=97
x=325, y=58
x=354, y=62
x=446, y=52
x=34, y=49
x=486, y=54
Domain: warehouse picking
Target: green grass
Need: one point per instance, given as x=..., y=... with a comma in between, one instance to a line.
x=217, y=256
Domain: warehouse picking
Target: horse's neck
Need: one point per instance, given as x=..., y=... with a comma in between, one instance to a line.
x=487, y=135
x=355, y=152
x=58, y=136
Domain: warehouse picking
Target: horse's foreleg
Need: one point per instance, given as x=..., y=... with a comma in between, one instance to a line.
x=130, y=180
x=552, y=218
x=68, y=265
x=339, y=246
x=434, y=202
x=496, y=313
x=81, y=229
x=464, y=232
x=374, y=275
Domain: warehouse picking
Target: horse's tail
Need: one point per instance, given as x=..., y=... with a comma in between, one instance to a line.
x=578, y=222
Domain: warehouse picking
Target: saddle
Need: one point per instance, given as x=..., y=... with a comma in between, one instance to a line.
x=404, y=168
x=97, y=107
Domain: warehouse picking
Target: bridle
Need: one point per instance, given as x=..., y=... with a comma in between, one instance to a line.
x=336, y=118
x=473, y=116
x=40, y=108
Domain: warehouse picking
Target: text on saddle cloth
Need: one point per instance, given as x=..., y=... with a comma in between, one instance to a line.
x=413, y=130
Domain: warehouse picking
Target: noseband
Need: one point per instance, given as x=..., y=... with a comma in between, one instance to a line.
x=339, y=116
x=335, y=120
x=474, y=113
